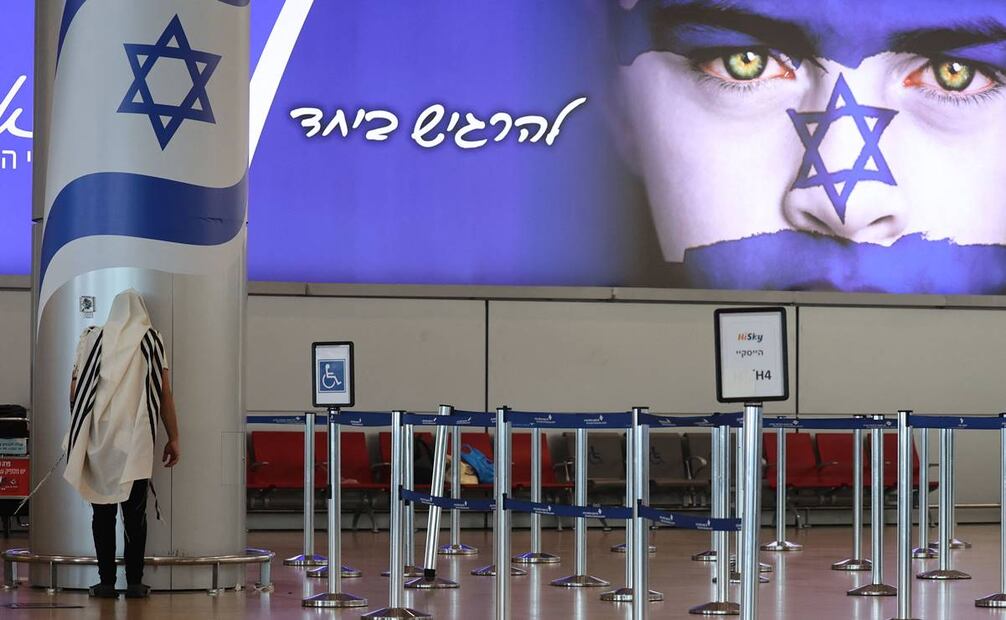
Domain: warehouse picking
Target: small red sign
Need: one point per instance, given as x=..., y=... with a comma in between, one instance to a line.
x=14, y=477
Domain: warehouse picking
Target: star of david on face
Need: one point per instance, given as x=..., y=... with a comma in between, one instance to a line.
x=870, y=165
x=166, y=118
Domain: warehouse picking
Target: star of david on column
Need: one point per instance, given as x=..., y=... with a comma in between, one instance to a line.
x=870, y=165
x=167, y=118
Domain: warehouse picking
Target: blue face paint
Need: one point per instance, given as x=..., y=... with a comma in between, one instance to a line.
x=812, y=127
x=791, y=260
x=846, y=31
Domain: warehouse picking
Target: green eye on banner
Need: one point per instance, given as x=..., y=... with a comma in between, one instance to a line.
x=953, y=75
x=746, y=65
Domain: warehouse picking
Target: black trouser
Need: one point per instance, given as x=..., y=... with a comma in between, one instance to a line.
x=134, y=518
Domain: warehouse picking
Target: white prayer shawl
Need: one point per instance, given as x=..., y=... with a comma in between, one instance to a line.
x=113, y=422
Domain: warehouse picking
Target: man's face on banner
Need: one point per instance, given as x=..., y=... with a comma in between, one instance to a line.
x=821, y=144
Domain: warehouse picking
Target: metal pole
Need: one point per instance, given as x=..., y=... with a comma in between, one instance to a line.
x=747, y=554
x=637, y=548
x=429, y=580
x=955, y=543
x=740, y=486
x=536, y=556
x=308, y=557
x=857, y=562
x=410, y=569
x=999, y=599
x=944, y=572
x=501, y=523
x=780, y=543
x=876, y=587
x=335, y=597
x=710, y=554
x=454, y=547
x=580, y=578
x=396, y=570
x=904, y=517
x=720, y=606
x=923, y=552
x=322, y=572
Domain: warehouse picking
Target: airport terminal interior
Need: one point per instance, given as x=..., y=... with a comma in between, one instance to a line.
x=586, y=309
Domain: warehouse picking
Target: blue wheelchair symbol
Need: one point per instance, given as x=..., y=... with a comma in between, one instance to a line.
x=331, y=376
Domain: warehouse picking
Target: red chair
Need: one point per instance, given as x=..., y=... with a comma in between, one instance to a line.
x=891, y=461
x=384, y=451
x=802, y=470
x=836, y=451
x=521, y=468
x=277, y=460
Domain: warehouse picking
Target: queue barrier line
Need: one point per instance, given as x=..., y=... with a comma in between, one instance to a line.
x=688, y=522
x=531, y=419
x=654, y=420
x=475, y=419
x=951, y=422
x=615, y=513
x=447, y=503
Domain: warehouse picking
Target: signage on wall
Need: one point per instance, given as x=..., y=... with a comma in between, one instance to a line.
x=751, y=355
x=332, y=372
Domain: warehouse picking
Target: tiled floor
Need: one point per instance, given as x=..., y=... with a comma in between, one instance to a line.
x=802, y=585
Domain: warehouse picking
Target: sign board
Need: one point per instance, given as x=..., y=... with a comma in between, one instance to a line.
x=332, y=368
x=13, y=446
x=14, y=478
x=751, y=357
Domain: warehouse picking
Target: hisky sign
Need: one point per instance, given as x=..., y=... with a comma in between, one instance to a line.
x=751, y=355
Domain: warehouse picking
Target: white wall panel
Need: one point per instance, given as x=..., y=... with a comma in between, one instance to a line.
x=15, y=347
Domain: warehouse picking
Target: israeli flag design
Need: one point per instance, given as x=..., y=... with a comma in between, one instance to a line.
x=143, y=91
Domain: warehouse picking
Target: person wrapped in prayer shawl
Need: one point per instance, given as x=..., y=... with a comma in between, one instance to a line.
x=120, y=386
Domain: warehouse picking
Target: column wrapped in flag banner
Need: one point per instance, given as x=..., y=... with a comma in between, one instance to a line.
x=143, y=155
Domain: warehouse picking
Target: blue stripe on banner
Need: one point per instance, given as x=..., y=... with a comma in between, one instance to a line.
x=565, y=510
x=708, y=421
x=466, y=419
x=688, y=522
x=529, y=419
x=69, y=12
x=829, y=423
x=136, y=205
x=363, y=418
x=957, y=422
x=448, y=503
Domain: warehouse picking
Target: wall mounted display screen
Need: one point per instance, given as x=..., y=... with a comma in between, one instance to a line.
x=750, y=144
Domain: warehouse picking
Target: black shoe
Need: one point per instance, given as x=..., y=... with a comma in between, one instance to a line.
x=103, y=590
x=137, y=590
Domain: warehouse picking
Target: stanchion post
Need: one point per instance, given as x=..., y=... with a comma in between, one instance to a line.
x=501, y=533
x=396, y=610
x=740, y=485
x=780, y=543
x=955, y=543
x=410, y=569
x=720, y=606
x=998, y=600
x=944, y=572
x=904, y=517
x=334, y=597
x=923, y=551
x=857, y=562
x=639, y=570
x=747, y=554
x=455, y=546
x=429, y=580
x=308, y=557
x=536, y=555
x=580, y=578
x=711, y=554
x=876, y=587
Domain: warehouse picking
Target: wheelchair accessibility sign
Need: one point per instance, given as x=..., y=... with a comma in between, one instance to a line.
x=333, y=374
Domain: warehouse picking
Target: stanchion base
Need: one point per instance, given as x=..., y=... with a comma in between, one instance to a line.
x=853, y=565
x=625, y=595
x=332, y=599
x=306, y=560
x=874, y=589
x=459, y=549
x=621, y=548
x=992, y=601
x=490, y=571
x=717, y=609
x=923, y=553
x=396, y=613
x=782, y=545
x=580, y=581
x=762, y=566
x=705, y=556
x=535, y=558
x=943, y=575
x=735, y=577
x=322, y=572
x=408, y=573
x=956, y=543
x=437, y=583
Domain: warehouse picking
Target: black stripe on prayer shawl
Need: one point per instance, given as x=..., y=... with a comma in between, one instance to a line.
x=86, y=391
x=153, y=396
